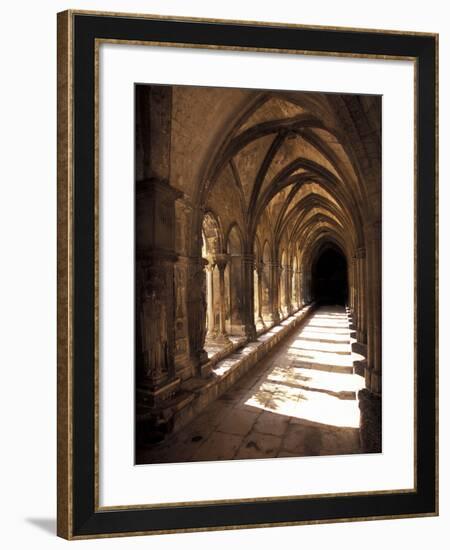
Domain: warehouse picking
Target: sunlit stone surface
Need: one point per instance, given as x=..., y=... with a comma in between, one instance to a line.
x=301, y=400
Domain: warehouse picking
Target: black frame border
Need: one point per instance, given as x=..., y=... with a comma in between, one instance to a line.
x=86, y=521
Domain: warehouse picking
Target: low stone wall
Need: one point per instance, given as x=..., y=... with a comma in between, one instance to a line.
x=198, y=393
x=370, y=421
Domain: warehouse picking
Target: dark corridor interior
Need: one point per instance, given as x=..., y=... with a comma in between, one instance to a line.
x=329, y=278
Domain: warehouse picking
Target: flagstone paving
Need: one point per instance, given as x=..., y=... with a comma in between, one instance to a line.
x=301, y=400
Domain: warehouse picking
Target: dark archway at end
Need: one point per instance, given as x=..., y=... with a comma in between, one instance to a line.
x=329, y=277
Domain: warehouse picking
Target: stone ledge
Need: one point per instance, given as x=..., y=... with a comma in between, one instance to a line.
x=227, y=370
x=360, y=365
x=217, y=353
x=370, y=423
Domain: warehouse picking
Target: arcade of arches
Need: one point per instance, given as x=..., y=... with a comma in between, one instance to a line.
x=258, y=226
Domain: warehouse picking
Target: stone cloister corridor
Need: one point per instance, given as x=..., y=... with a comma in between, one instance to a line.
x=301, y=400
x=257, y=273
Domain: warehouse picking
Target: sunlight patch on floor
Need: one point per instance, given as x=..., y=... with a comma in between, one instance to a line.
x=318, y=345
x=323, y=330
x=315, y=379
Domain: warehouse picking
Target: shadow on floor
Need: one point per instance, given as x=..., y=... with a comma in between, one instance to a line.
x=284, y=407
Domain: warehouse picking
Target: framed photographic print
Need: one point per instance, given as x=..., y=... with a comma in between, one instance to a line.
x=247, y=318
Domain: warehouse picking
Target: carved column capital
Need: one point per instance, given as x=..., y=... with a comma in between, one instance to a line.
x=221, y=261
x=209, y=262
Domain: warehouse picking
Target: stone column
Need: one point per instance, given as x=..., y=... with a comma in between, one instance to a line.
x=352, y=287
x=361, y=302
x=185, y=362
x=266, y=296
x=289, y=308
x=373, y=379
x=155, y=255
x=155, y=296
x=221, y=262
x=370, y=397
x=259, y=321
x=282, y=292
x=183, y=366
x=298, y=278
x=155, y=371
x=196, y=308
x=248, y=290
x=293, y=279
x=358, y=296
x=306, y=288
x=156, y=379
x=301, y=290
x=211, y=332
x=240, y=269
x=275, y=272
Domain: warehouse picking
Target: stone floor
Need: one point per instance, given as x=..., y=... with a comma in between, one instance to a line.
x=301, y=400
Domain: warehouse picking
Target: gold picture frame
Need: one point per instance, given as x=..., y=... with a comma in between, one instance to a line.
x=80, y=34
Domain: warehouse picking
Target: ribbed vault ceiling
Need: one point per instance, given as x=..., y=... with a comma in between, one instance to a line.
x=286, y=169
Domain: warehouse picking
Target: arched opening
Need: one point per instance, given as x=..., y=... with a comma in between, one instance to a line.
x=329, y=277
